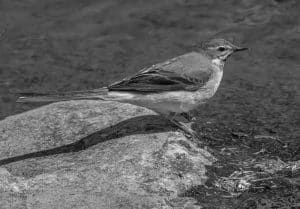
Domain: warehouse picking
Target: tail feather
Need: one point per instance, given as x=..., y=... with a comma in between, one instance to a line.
x=95, y=94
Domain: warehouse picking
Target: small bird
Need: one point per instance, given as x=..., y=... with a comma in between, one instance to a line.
x=170, y=88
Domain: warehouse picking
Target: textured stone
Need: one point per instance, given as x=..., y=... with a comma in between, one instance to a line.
x=98, y=155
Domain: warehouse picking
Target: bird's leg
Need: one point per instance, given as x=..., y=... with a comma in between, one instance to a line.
x=188, y=130
x=188, y=117
x=185, y=128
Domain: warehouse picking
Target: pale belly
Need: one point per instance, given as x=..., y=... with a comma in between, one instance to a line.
x=167, y=102
x=172, y=101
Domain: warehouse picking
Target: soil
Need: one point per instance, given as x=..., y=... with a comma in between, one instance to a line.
x=56, y=45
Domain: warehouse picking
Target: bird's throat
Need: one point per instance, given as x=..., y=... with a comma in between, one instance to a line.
x=218, y=63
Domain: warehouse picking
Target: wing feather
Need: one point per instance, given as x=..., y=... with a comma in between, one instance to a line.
x=155, y=80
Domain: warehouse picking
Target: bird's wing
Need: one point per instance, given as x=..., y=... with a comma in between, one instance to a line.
x=158, y=79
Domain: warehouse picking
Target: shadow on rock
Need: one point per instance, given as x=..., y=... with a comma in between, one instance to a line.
x=138, y=125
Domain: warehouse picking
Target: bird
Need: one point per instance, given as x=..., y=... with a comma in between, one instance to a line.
x=170, y=88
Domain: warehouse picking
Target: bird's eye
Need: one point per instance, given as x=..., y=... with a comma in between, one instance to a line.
x=221, y=48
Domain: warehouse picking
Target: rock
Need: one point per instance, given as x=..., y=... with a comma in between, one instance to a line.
x=91, y=154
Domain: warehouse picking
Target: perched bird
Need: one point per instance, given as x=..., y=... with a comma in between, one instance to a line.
x=173, y=87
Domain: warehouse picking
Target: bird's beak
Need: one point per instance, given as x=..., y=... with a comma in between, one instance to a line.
x=240, y=49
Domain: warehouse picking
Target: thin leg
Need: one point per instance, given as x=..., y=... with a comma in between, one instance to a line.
x=182, y=126
x=185, y=128
x=188, y=117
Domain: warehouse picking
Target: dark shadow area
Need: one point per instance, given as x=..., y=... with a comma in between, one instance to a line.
x=138, y=125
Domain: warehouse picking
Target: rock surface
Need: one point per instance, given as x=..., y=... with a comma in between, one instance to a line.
x=89, y=154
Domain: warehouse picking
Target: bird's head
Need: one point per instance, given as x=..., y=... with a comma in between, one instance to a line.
x=220, y=48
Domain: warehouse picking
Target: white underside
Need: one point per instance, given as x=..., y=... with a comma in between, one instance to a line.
x=173, y=101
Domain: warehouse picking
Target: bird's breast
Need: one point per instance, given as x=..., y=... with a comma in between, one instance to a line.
x=212, y=85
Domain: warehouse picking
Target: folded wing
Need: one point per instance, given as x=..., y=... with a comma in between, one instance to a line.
x=155, y=80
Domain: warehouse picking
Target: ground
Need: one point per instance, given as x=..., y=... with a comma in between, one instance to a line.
x=254, y=117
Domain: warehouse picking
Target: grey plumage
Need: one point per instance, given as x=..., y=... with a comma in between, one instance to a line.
x=187, y=72
x=172, y=87
x=62, y=96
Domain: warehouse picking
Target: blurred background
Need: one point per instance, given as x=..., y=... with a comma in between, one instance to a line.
x=65, y=45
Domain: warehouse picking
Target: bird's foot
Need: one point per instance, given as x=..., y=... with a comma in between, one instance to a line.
x=191, y=135
x=187, y=130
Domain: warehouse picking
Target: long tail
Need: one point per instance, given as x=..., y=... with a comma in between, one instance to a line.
x=95, y=94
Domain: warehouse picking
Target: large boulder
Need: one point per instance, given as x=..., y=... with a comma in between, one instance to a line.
x=94, y=154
